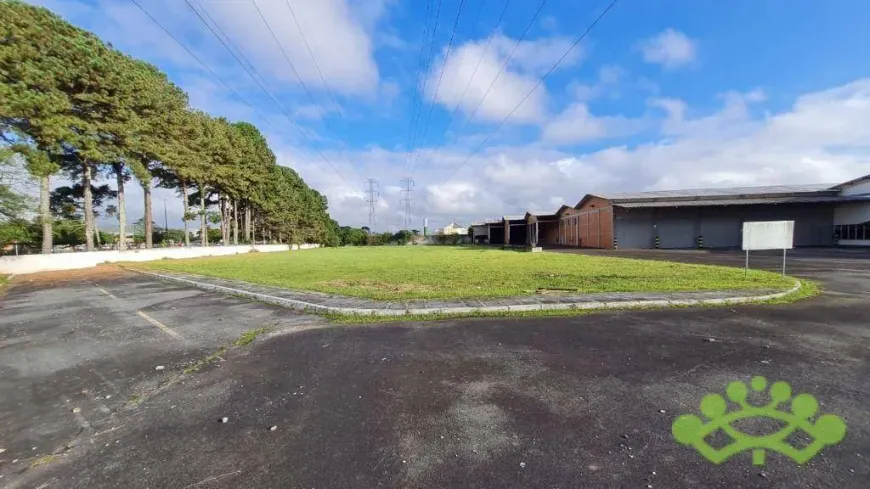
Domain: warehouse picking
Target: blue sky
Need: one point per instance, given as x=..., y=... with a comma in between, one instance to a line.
x=661, y=94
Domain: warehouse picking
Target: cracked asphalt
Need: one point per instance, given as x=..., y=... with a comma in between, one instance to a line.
x=582, y=401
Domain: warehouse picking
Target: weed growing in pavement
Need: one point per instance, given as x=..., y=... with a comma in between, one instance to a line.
x=244, y=339
x=249, y=336
x=44, y=460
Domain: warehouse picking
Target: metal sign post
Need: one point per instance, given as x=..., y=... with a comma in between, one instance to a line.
x=783, y=262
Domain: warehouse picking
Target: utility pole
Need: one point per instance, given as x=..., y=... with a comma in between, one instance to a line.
x=407, y=200
x=372, y=194
x=165, y=220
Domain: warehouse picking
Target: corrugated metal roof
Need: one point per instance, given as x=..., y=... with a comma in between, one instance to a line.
x=478, y=223
x=719, y=202
x=720, y=192
x=515, y=217
x=850, y=183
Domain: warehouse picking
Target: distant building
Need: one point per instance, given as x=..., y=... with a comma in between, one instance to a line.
x=452, y=228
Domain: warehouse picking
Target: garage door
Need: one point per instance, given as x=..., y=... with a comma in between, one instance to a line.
x=813, y=228
x=721, y=232
x=676, y=233
x=634, y=233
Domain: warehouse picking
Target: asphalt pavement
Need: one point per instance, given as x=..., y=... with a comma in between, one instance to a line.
x=582, y=401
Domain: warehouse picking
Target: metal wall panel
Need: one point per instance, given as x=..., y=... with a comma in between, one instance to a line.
x=721, y=231
x=634, y=229
x=676, y=232
x=814, y=227
x=721, y=227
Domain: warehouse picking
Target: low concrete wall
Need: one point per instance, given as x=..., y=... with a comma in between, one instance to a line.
x=19, y=265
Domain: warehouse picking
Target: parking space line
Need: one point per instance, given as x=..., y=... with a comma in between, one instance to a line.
x=106, y=292
x=166, y=329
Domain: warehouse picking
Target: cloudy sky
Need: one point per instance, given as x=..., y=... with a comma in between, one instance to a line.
x=661, y=94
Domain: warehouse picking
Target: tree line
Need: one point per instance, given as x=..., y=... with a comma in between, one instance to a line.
x=74, y=106
x=348, y=236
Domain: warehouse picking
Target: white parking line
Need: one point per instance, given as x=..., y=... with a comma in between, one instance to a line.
x=106, y=292
x=166, y=329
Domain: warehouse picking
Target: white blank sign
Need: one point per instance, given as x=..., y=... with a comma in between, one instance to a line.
x=768, y=235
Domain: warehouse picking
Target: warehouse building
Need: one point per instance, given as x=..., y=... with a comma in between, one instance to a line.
x=824, y=215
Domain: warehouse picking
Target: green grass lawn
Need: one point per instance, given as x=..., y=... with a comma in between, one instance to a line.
x=437, y=272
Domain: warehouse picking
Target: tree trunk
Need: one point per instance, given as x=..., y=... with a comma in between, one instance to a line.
x=235, y=222
x=203, y=224
x=97, y=237
x=149, y=224
x=223, y=209
x=225, y=218
x=89, y=207
x=122, y=208
x=270, y=236
x=45, y=213
x=248, y=221
x=186, y=212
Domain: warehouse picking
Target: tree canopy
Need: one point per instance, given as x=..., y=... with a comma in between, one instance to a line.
x=73, y=104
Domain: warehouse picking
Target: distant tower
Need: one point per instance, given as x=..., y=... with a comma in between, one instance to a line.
x=372, y=194
x=407, y=199
x=426, y=227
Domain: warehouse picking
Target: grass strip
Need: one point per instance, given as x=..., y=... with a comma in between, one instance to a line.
x=399, y=273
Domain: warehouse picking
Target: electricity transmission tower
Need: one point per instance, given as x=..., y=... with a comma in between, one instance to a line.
x=372, y=194
x=407, y=200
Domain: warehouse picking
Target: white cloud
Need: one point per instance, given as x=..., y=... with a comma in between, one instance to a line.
x=732, y=120
x=338, y=32
x=576, y=125
x=340, y=43
x=609, y=78
x=670, y=49
x=530, y=60
x=821, y=138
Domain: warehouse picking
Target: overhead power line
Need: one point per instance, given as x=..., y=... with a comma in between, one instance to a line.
x=451, y=116
x=538, y=84
x=201, y=62
x=251, y=73
x=437, y=86
x=425, y=82
x=420, y=58
x=316, y=65
x=298, y=77
x=221, y=31
x=505, y=64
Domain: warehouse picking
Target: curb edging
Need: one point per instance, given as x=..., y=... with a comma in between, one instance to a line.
x=352, y=311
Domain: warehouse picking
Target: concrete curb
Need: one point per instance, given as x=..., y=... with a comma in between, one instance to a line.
x=579, y=305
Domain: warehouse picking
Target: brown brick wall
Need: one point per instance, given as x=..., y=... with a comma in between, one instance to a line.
x=595, y=220
x=568, y=227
